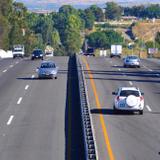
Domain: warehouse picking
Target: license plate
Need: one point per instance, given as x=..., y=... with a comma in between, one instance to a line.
x=122, y=105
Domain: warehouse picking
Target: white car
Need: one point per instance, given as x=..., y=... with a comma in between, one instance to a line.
x=129, y=99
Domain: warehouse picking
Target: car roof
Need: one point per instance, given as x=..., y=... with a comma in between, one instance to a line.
x=47, y=62
x=130, y=56
x=129, y=88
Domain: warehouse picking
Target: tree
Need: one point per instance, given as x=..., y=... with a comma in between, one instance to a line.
x=4, y=29
x=55, y=42
x=97, y=40
x=157, y=39
x=113, y=11
x=5, y=10
x=67, y=10
x=88, y=18
x=72, y=37
x=104, y=39
x=97, y=12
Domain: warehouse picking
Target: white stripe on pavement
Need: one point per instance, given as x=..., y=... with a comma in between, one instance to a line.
x=11, y=66
x=19, y=100
x=26, y=87
x=148, y=107
x=5, y=71
x=10, y=120
x=130, y=83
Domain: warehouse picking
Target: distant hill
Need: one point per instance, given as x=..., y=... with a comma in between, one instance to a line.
x=55, y=4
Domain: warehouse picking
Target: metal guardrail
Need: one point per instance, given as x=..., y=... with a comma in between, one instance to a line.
x=89, y=138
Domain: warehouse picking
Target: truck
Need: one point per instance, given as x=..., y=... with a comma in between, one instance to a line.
x=49, y=51
x=18, y=51
x=116, y=51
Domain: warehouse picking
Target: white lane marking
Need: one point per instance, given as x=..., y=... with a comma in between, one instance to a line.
x=33, y=76
x=5, y=71
x=26, y=87
x=19, y=100
x=10, y=120
x=11, y=66
x=17, y=62
x=147, y=68
x=148, y=107
x=130, y=83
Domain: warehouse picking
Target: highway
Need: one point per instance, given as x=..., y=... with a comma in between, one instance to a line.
x=36, y=116
x=123, y=136
x=40, y=119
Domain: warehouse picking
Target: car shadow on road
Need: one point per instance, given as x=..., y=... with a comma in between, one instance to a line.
x=145, y=74
x=35, y=78
x=73, y=122
x=108, y=111
x=126, y=79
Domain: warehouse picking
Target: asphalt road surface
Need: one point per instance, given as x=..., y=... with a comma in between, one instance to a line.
x=124, y=136
x=37, y=117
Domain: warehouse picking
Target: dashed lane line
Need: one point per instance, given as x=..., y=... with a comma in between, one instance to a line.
x=149, y=109
x=5, y=71
x=10, y=120
x=19, y=100
x=26, y=87
x=130, y=83
x=11, y=66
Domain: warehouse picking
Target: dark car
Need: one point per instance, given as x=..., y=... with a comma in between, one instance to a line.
x=89, y=52
x=37, y=54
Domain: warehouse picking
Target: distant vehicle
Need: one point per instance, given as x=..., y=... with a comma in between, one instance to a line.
x=49, y=54
x=37, y=54
x=132, y=61
x=47, y=69
x=129, y=99
x=49, y=51
x=89, y=52
x=18, y=51
x=116, y=51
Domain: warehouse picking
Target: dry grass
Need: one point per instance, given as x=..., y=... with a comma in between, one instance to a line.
x=146, y=30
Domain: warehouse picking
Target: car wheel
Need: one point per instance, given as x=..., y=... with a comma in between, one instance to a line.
x=141, y=112
x=115, y=109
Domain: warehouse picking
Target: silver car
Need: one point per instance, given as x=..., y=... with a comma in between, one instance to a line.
x=132, y=61
x=47, y=69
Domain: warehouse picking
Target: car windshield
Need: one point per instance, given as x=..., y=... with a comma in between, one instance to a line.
x=132, y=57
x=126, y=93
x=37, y=52
x=48, y=65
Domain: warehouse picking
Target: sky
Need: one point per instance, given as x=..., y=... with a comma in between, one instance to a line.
x=48, y=4
x=83, y=1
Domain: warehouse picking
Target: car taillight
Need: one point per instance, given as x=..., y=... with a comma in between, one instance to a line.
x=118, y=98
x=141, y=98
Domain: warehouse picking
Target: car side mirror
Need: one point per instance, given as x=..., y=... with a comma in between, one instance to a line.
x=114, y=93
x=142, y=93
